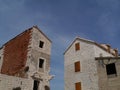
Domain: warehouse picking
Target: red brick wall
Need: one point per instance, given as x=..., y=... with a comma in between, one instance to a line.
x=15, y=54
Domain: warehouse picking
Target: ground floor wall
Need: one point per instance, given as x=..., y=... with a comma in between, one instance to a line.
x=108, y=82
x=12, y=83
x=16, y=83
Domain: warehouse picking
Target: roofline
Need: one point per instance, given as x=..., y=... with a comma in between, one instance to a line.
x=104, y=48
x=89, y=41
x=17, y=36
x=78, y=38
x=26, y=31
x=41, y=32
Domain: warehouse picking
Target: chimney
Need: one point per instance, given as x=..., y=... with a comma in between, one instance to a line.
x=116, y=52
x=109, y=47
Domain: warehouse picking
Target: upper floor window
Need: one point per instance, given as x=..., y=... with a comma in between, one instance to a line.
x=78, y=86
x=77, y=66
x=77, y=46
x=111, y=69
x=41, y=44
x=41, y=63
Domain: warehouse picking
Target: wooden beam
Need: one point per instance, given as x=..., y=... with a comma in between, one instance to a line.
x=107, y=58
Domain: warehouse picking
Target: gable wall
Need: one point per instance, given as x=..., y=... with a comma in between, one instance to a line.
x=88, y=74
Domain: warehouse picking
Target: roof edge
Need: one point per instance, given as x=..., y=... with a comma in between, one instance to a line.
x=90, y=41
x=23, y=32
x=41, y=32
x=16, y=36
x=78, y=38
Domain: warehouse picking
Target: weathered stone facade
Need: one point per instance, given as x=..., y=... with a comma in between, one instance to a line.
x=92, y=74
x=25, y=61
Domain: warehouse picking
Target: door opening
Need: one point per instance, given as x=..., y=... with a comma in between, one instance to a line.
x=36, y=85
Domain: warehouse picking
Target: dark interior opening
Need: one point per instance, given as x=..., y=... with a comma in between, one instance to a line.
x=41, y=44
x=111, y=69
x=47, y=88
x=36, y=85
x=26, y=69
x=17, y=88
x=41, y=62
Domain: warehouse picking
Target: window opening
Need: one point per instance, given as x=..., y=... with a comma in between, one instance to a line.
x=41, y=62
x=77, y=66
x=77, y=46
x=41, y=44
x=78, y=86
x=111, y=69
x=36, y=85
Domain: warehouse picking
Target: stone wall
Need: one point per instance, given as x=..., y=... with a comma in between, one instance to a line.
x=35, y=54
x=88, y=74
x=106, y=82
x=24, y=51
x=10, y=82
x=93, y=74
x=1, y=57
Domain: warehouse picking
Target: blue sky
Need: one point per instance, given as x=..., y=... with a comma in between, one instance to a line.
x=62, y=21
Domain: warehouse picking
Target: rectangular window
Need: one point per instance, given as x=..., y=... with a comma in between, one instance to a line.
x=77, y=66
x=111, y=69
x=77, y=46
x=41, y=44
x=78, y=86
x=41, y=63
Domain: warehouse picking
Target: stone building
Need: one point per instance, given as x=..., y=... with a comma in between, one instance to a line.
x=25, y=61
x=91, y=66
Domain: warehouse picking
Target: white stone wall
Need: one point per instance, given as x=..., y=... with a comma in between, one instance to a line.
x=1, y=57
x=35, y=53
x=36, y=37
x=101, y=68
x=105, y=82
x=10, y=82
x=99, y=51
x=88, y=74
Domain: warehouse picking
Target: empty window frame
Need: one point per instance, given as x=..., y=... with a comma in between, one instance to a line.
x=77, y=66
x=41, y=44
x=111, y=69
x=77, y=46
x=36, y=85
x=41, y=63
x=78, y=86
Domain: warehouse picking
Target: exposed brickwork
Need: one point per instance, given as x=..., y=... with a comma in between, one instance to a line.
x=20, y=62
x=15, y=54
